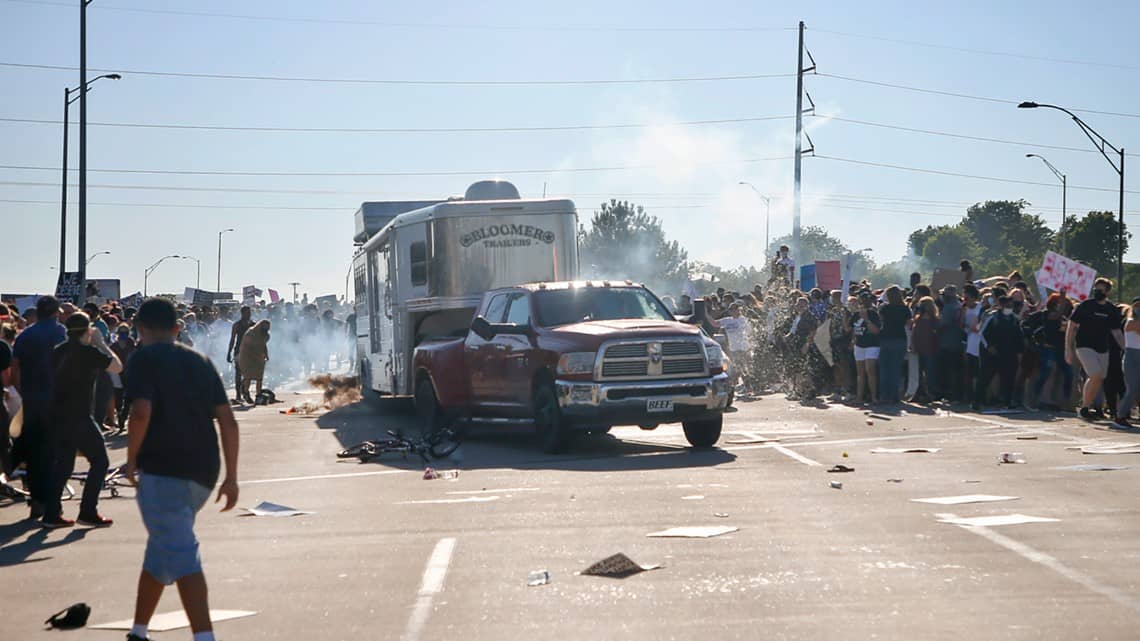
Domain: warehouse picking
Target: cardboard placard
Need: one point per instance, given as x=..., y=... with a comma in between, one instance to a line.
x=944, y=276
x=69, y=289
x=828, y=275
x=1059, y=273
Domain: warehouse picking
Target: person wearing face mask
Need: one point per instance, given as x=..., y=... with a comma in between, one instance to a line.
x=1093, y=324
x=1131, y=366
x=951, y=345
x=1050, y=337
x=840, y=342
x=1004, y=343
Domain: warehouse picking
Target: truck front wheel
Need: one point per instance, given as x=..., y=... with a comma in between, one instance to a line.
x=703, y=433
x=548, y=422
x=428, y=411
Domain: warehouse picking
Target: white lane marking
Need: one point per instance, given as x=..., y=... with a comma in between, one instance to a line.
x=430, y=585
x=470, y=499
x=849, y=441
x=323, y=476
x=504, y=491
x=1052, y=563
x=796, y=455
x=1023, y=429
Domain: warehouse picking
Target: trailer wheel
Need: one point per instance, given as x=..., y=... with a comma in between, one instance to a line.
x=548, y=422
x=428, y=411
x=703, y=433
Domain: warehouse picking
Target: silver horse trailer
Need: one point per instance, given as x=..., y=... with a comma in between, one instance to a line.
x=422, y=268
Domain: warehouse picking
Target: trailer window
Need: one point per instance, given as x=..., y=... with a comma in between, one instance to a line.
x=419, y=263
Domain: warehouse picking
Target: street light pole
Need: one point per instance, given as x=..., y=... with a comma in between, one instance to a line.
x=767, y=212
x=198, y=284
x=224, y=231
x=150, y=270
x=96, y=254
x=83, y=141
x=1064, y=197
x=294, y=285
x=1101, y=144
x=67, y=100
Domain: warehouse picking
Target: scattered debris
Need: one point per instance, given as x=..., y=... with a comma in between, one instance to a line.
x=836, y=485
x=967, y=498
x=990, y=521
x=870, y=422
x=693, y=497
x=339, y=390
x=470, y=499
x=537, y=578
x=1010, y=458
x=1027, y=437
x=1111, y=449
x=307, y=408
x=840, y=469
x=168, y=621
x=894, y=480
x=266, y=508
x=699, y=532
x=970, y=481
x=1092, y=468
x=846, y=455
x=618, y=566
x=721, y=515
x=906, y=450
x=431, y=474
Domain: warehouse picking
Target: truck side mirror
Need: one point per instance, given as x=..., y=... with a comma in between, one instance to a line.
x=482, y=328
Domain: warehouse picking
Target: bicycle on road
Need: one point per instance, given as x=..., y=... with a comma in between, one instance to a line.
x=441, y=444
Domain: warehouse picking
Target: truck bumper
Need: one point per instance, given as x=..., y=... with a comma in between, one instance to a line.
x=587, y=404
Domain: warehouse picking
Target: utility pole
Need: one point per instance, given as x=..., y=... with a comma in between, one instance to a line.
x=798, y=160
x=63, y=194
x=83, y=144
x=1122, y=230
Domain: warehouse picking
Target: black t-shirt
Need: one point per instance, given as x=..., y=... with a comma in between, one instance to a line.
x=184, y=389
x=5, y=356
x=894, y=321
x=1095, y=322
x=864, y=337
x=76, y=366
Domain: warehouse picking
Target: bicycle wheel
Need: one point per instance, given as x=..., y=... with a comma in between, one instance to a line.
x=443, y=443
x=356, y=451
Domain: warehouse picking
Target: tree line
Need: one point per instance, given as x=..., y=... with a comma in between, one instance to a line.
x=622, y=240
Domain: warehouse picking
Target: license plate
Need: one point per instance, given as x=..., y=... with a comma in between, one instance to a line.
x=658, y=405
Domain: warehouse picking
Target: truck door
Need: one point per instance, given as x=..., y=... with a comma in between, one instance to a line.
x=483, y=367
x=517, y=353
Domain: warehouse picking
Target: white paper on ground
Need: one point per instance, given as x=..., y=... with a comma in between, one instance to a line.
x=906, y=450
x=1092, y=468
x=965, y=498
x=693, y=497
x=702, y=532
x=265, y=508
x=168, y=621
x=991, y=521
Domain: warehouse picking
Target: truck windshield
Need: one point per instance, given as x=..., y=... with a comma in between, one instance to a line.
x=578, y=304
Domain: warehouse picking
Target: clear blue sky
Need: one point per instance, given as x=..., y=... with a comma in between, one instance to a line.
x=692, y=184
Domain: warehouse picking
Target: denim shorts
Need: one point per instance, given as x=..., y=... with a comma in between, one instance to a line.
x=168, y=506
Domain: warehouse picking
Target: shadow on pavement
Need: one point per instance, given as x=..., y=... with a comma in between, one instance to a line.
x=513, y=447
x=18, y=553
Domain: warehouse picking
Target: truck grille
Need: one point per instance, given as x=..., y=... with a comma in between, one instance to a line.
x=653, y=360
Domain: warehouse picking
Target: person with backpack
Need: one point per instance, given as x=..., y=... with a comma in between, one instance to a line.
x=1002, y=346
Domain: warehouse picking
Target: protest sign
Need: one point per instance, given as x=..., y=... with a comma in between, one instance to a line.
x=1060, y=273
x=944, y=276
x=274, y=297
x=827, y=275
x=69, y=288
x=807, y=277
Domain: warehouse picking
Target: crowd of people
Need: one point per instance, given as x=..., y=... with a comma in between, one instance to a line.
x=985, y=344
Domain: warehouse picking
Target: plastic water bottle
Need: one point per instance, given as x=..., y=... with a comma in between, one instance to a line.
x=537, y=578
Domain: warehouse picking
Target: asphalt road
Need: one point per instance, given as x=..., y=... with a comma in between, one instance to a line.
x=388, y=555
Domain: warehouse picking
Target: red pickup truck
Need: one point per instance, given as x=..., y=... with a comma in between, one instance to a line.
x=575, y=356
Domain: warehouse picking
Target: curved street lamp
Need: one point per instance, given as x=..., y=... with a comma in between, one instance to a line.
x=95, y=255
x=67, y=100
x=1101, y=144
x=198, y=285
x=150, y=270
x=1064, y=195
x=767, y=211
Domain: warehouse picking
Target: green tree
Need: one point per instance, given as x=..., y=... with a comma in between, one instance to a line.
x=946, y=246
x=623, y=241
x=1093, y=240
x=1002, y=228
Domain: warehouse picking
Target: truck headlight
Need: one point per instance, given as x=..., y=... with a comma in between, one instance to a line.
x=716, y=358
x=577, y=363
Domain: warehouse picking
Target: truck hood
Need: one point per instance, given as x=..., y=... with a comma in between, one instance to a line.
x=598, y=331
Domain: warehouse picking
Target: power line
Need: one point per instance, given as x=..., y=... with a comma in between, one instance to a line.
x=220, y=206
x=394, y=81
x=959, y=175
x=984, y=52
x=437, y=172
x=404, y=130
x=953, y=94
x=412, y=25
